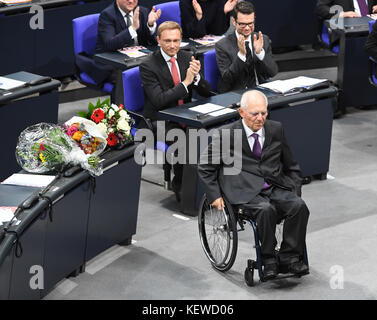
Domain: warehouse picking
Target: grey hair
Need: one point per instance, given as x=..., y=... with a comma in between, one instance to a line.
x=247, y=94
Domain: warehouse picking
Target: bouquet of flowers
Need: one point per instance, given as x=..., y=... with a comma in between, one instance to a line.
x=112, y=120
x=45, y=147
x=88, y=137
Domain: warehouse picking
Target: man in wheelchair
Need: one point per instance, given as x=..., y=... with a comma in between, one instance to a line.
x=267, y=184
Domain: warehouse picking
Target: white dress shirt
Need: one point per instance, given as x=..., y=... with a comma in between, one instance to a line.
x=131, y=30
x=167, y=59
x=250, y=138
x=259, y=55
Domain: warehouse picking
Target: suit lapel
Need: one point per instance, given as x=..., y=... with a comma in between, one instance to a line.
x=182, y=65
x=120, y=18
x=267, y=136
x=163, y=67
x=245, y=143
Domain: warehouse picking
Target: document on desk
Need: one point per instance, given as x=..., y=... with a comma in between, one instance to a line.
x=208, y=39
x=9, y=84
x=206, y=108
x=294, y=84
x=134, y=52
x=221, y=112
x=29, y=180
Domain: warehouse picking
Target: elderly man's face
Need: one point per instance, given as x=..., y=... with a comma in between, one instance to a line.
x=127, y=5
x=255, y=114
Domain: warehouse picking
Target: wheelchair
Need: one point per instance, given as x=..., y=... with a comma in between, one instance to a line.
x=218, y=231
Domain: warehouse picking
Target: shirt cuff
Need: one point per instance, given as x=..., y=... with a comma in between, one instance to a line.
x=260, y=55
x=133, y=33
x=185, y=87
x=153, y=28
x=197, y=79
x=241, y=56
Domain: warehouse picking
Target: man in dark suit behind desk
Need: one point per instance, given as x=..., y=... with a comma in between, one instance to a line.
x=244, y=57
x=267, y=184
x=351, y=8
x=123, y=24
x=168, y=76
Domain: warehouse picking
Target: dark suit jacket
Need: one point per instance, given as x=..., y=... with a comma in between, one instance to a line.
x=276, y=166
x=214, y=21
x=371, y=43
x=234, y=73
x=113, y=33
x=159, y=90
x=323, y=7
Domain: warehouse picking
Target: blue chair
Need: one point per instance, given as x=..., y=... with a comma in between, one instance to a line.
x=325, y=38
x=169, y=12
x=85, y=31
x=211, y=70
x=372, y=62
x=134, y=104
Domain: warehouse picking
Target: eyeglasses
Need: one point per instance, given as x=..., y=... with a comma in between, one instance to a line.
x=255, y=114
x=243, y=24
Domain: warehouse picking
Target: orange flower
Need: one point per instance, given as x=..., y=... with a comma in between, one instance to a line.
x=77, y=135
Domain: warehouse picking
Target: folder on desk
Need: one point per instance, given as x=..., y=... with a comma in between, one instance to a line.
x=9, y=84
x=297, y=84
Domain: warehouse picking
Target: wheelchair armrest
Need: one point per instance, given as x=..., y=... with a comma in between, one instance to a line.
x=147, y=121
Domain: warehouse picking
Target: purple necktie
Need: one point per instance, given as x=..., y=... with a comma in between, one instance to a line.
x=363, y=7
x=257, y=151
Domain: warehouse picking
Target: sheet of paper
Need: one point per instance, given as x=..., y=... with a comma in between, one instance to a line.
x=8, y=84
x=208, y=39
x=29, y=180
x=133, y=52
x=221, y=112
x=7, y=213
x=284, y=86
x=206, y=108
x=183, y=44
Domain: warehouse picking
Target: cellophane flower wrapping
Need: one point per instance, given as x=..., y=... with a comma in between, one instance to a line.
x=45, y=147
x=86, y=134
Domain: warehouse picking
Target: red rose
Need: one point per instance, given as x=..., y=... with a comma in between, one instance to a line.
x=111, y=139
x=41, y=147
x=97, y=115
x=121, y=106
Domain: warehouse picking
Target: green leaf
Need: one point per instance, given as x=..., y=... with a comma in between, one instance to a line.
x=106, y=101
x=83, y=114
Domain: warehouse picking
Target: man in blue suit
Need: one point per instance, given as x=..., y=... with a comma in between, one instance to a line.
x=124, y=23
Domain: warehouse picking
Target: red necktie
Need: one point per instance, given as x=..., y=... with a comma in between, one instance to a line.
x=175, y=76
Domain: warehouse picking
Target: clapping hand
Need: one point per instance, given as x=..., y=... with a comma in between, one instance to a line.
x=241, y=44
x=192, y=71
x=229, y=6
x=374, y=9
x=258, y=43
x=153, y=16
x=198, y=9
x=135, y=19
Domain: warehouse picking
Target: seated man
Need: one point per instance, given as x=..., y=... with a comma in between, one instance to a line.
x=371, y=43
x=169, y=75
x=244, y=57
x=351, y=8
x=123, y=24
x=268, y=183
x=201, y=17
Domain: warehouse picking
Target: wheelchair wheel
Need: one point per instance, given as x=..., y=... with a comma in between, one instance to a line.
x=218, y=235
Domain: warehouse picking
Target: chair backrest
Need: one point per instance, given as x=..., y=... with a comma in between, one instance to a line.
x=371, y=23
x=133, y=90
x=211, y=70
x=85, y=33
x=169, y=12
